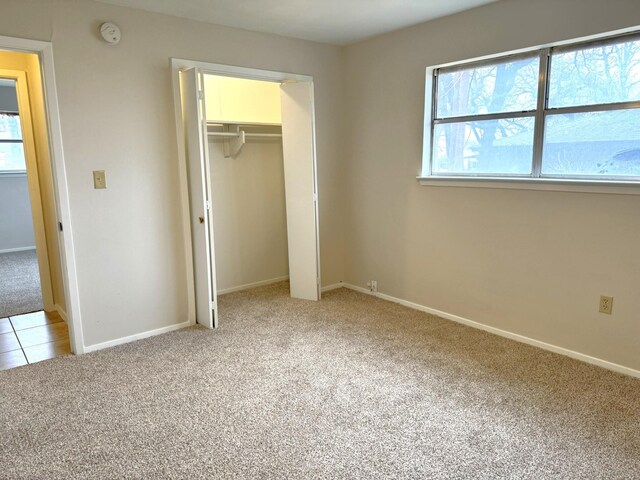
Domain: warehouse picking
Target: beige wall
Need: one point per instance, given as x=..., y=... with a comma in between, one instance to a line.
x=249, y=215
x=116, y=109
x=530, y=262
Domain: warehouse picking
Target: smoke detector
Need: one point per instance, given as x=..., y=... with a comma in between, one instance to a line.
x=110, y=32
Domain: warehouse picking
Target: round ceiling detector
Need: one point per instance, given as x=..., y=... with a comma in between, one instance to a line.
x=110, y=32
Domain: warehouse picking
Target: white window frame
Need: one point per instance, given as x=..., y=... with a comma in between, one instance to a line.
x=536, y=180
x=12, y=173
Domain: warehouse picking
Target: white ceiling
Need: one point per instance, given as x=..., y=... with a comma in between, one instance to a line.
x=331, y=21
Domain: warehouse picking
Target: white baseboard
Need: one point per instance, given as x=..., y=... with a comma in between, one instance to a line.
x=363, y=290
x=60, y=311
x=137, y=336
x=503, y=333
x=247, y=286
x=333, y=286
x=19, y=249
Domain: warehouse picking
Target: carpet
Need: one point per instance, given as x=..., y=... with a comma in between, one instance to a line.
x=350, y=387
x=19, y=283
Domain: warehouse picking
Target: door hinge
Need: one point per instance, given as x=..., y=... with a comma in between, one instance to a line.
x=213, y=306
x=200, y=94
x=315, y=197
x=60, y=226
x=207, y=206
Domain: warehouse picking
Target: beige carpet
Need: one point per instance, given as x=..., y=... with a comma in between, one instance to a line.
x=19, y=283
x=350, y=387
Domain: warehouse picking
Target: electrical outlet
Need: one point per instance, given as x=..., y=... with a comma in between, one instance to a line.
x=99, y=179
x=373, y=286
x=606, y=304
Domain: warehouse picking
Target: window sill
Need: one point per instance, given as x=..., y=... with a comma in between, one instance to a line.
x=12, y=174
x=547, y=184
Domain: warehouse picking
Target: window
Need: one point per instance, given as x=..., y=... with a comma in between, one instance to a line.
x=568, y=112
x=11, y=149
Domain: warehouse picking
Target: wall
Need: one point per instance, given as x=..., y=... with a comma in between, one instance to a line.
x=529, y=262
x=116, y=111
x=249, y=214
x=238, y=100
x=16, y=227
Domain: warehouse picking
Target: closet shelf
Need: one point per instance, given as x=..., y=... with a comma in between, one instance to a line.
x=231, y=134
x=235, y=135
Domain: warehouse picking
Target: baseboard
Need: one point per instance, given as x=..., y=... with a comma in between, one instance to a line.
x=333, y=286
x=362, y=290
x=60, y=311
x=19, y=249
x=503, y=333
x=248, y=286
x=137, y=336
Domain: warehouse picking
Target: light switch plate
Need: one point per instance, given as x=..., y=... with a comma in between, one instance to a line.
x=99, y=179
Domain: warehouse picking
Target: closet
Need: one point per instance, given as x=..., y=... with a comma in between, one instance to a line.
x=249, y=156
x=244, y=130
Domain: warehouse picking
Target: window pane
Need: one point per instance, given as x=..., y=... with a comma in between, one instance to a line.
x=600, y=74
x=594, y=143
x=12, y=157
x=504, y=87
x=503, y=146
x=10, y=127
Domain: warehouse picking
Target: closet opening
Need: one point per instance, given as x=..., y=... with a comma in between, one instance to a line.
x=247, y=146
x=244, y=134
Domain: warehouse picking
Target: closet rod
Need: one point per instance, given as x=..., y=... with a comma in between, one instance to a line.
x=228, y=134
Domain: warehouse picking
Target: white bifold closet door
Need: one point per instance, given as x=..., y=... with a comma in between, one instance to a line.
x=198, y=171
x=298, y=148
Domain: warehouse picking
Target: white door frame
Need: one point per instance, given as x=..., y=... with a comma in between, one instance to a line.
x=44, y=50
x=178, y=64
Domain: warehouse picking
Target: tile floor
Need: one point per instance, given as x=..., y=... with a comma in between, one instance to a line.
x=31, y=338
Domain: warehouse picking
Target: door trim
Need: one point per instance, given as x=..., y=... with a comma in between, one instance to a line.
x=44, y=50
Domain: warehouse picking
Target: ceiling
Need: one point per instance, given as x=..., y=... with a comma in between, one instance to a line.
x=339, y=22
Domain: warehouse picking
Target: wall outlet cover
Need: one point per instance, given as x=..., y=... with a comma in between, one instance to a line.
x=606, y=304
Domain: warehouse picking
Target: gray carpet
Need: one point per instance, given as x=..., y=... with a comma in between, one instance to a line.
x=350, y=387
x=19, y=283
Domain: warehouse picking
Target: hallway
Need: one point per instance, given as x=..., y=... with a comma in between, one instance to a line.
x=19, y=283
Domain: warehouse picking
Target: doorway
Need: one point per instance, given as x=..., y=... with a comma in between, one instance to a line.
x=32, y=289
x=20, y=286
x=196, y=126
